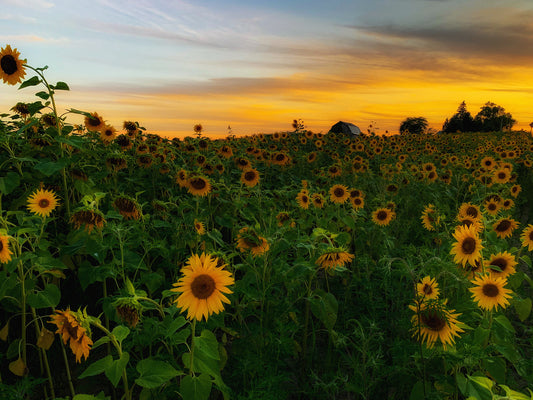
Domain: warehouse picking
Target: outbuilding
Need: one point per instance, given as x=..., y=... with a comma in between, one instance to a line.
x=346, y=128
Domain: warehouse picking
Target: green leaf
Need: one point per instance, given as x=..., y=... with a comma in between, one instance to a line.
x=61, y=86
x=49, y=168
x=74, y=111
x=33, y=81
x=48, y=297
x=206, y=344
x=9, y=182
x=513, y=394
x=479, y=387
x=522, y=307
x=114, y=371
x=195, y=387
x=101, y=341
x=175, y=324
x=154, y=373
x=42, y=95
x=97, y=367
x=120, y=332
x=325, y=307
x=99, y=396
x=504, y=322
x=496, y=367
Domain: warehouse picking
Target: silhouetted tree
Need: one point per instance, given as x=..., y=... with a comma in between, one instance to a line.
x=461, y=121
x=416, y=125
x=493, y=118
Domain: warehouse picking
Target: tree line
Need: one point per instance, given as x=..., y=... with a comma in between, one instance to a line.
x=490, y=118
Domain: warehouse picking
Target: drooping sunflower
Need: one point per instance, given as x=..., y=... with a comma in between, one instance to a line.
x=116, y=162
x=432, y=321
x=318, y=200
x=94, y=122
x=199, y=227
x=202, y=287
x=89, y=219
x=42, y=202
x=182, y=178
x=127, y=207
x=490, y=292
x=73, y=327
x=504, y=227
x=527, y=237
x=248, y=239
x=501, y=264
x=467, y=248
x=302, y=198
x=427, y=289
x=5, y=252
x=199, y=185
x=339, y=194
x=21, y=109
x=250, y=177
x=430, y=218
x=383, y=216
x=333, y=258
x=11, y=66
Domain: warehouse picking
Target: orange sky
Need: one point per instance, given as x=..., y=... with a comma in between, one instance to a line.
x=256, y=67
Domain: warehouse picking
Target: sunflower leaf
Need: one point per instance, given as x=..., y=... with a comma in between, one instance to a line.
x=61, y=86
x=48, y=297
x=97, y=367
x=522, y=307
x=33, y=81
x=196, y=387
x=154, y=373
x=9, y=182
x=115, y=369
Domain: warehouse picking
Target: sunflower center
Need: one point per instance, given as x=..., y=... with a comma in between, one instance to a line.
x=280, y=157
x=198, y=183
x=357, y=201
x=1, y=246
x=501, y=263
x=382, y=215
x=72, y=331
x=433, y=321
x=490, y=290
x=44, y=203
x=472, y=211
x=93, y=121
x=502, y=175
x=203, y=286
x=427, y=289
x=503, y=226
x=492, y=206
x=338, y=192
x=469, y=245
x=249, y=176
x=8, y=64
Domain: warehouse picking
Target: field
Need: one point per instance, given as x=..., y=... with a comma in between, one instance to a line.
x=292, y=265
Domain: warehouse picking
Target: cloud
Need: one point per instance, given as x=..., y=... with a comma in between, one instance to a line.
x=30, y=4
x=31, y=38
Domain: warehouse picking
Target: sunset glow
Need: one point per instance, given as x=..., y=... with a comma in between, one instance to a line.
x=256, y=66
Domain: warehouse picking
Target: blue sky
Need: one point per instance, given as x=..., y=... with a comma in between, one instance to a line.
x=257, y=65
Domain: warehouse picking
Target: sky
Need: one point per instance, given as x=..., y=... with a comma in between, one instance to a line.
x=255, y=66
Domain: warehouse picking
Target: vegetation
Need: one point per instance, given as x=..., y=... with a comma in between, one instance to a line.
x=285, y=266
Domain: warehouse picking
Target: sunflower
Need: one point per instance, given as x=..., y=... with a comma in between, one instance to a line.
x=507, y=204
x=311, y=157
x=281, y=158
x=302, y=198
x=504, y=227
x=334, y=171
x=429, y=217
x=11, y=66
x=283, y=217
x=94, y=122
x=42, y=202
x=383, y=216
x=127, y=207
x=182, y=178
x=247, y=239
x=116, y=163
x=501, y=175
x=88, y=219
x=339, y=194
x=470, y=209
x=357, y=202
x=199, y=185
x=199, y=227
x=108, y=134
x=318, y=200
x=432, y=321
x=73, y=327
x=492, y=207
x=527, y=237
x=333, y=258
x=468, y=221
x=488, y=163
x=501, y=264
x=250, y=177
x=22, y=109
x=490, y=292
x=427, y=289
x=515, y=190
x=468, y=246
x=202, y=287
x=5, y=252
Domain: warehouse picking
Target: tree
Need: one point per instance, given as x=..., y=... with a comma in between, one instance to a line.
x=461, y=121
x=493, y=118
x=415, y=125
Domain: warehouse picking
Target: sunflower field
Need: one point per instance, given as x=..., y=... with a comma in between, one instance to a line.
x=293, y=265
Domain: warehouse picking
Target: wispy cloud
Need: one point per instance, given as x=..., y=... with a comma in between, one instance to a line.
x=30, y=4
x=31, y=39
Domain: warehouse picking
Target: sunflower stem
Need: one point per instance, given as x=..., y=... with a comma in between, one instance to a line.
x=43, y=355
x=193, y=333
x=67, y=368
x=23, y=307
